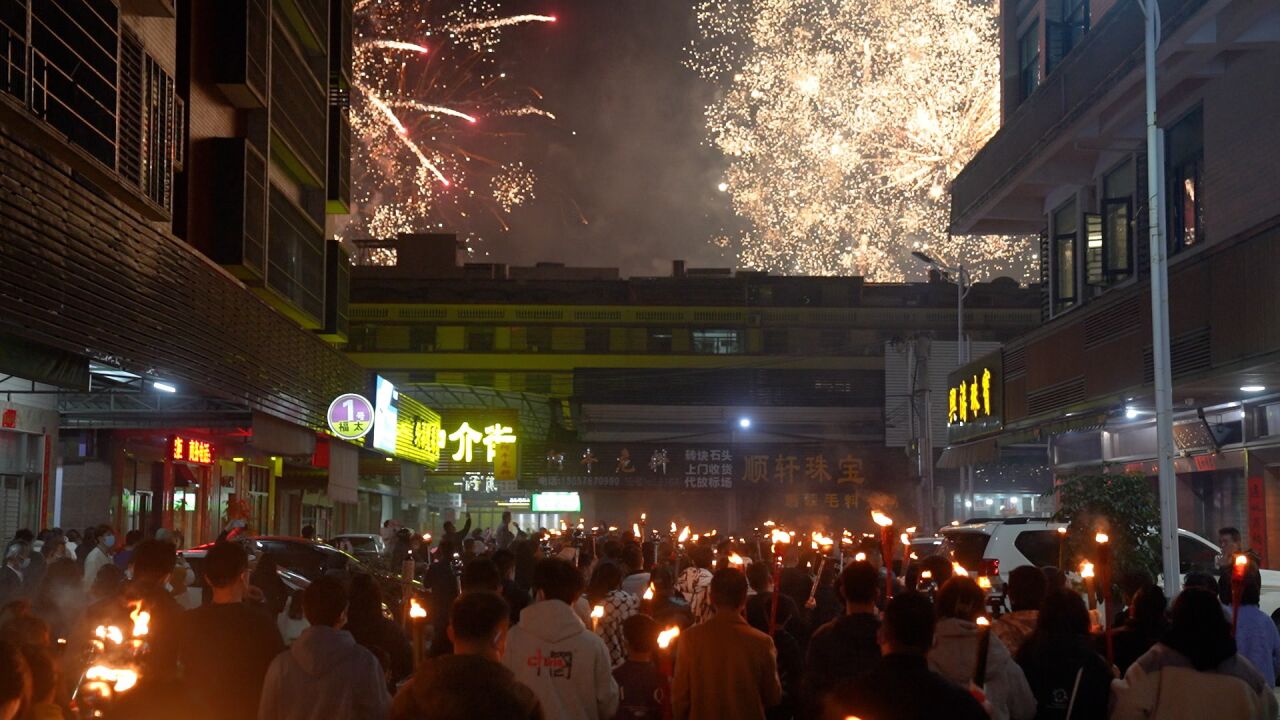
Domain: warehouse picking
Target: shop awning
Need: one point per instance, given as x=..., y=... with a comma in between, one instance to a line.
x=958, y=456
x=344, y=462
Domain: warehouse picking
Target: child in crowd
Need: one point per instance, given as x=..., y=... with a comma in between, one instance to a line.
x=644, y=689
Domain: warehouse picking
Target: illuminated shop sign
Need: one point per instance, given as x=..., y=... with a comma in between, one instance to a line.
x=975, y=399
x=190, y=450
x=464, y=438
x=350, y=416
x=417, y=432
x=554, y=502
x=386, y=413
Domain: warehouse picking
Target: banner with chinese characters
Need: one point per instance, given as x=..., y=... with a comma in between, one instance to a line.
x=835, y=475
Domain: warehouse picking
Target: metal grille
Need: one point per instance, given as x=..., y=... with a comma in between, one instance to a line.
x=80, y=274
x=13, y=48
x=1055, y=396
x=73, y=71
x=300, y=109
x=295, y=257
x=1188, y=353
x=1110, y=323
x=131, y=117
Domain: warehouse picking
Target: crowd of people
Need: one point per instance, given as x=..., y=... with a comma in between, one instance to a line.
x=540, y=624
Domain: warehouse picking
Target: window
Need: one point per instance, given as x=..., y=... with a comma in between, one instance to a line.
x=538, y=338
x=717, y=342
x=480, y=339
x=1039, y=546
x=1112, y=260
x=422, y=338
x=775, y=341
x=597, y=339
x=1064, y=34
x=660, y=340
x=1029, y=62
x=1184, y=148
x=965, y=548
x=1064, y=257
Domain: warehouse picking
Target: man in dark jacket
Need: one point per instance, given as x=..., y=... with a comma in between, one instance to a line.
x=472, y=682
x=901, y=686
x=845, y=648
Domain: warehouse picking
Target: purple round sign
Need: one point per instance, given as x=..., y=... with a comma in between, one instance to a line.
x=350, y=416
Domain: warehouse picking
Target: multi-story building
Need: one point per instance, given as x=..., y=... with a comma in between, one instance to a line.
x=716, y=396
x=1070, y=163
x=171, y=301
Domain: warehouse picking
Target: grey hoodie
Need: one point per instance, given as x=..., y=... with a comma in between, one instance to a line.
x=566, y=665
x=324, y=675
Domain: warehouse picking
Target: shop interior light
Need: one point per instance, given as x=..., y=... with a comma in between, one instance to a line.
x=164, y=387
x=1252, y=388
x=1131, y=412
x=237, y=459
x=744, y=422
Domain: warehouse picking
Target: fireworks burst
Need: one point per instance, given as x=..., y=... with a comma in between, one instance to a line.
x=843, y=124
x=435, y=119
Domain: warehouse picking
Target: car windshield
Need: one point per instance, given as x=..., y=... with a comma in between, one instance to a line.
x=357, y=542
x=966, y=547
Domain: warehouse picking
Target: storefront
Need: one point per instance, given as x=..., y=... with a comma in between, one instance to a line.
x=26, y=466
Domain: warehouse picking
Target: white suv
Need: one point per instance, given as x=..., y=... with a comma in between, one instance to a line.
x=995, y=547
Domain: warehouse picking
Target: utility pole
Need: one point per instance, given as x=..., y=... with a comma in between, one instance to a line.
x=1163, y=381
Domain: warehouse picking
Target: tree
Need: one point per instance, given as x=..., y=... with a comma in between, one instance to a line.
x=1122, y=506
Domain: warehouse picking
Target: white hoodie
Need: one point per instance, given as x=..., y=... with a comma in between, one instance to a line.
x=566, y=665
x=955, y=657
x=324, y=675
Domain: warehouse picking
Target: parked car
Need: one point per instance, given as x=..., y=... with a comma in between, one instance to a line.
x=369, y=547
x=301, y=561
x=993, y=548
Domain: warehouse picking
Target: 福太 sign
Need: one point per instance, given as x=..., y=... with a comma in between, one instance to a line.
x=350, y=416
x=975, y=399
x=552, y=502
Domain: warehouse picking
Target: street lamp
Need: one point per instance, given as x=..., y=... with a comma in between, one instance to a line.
x=963, y=286
x=1160, y=352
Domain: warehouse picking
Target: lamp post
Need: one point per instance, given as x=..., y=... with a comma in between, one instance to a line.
x=963, y=286
x=1163, y=378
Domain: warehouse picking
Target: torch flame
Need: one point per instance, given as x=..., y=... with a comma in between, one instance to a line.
x=635, y=529
x=141, y=620
x=779, y=536
x=983, y=621
x=735, y=559
x=426, y=537
x=666, y=636
x=648, y=593
x=684, y=534
x=597, y=612
x=1241, y=560
x=906, y=539
x=958, y=570
x=911, y=530
x=926, y=575
x=1086, y=569
x=860, y=557
x=1062, y=531
x=822, y=540
x=416, y=611
x=769, y=523
x=643, y=517
x=1101, y=538
x=984, y=582
x=881, y=519
x=120, y=679
x=111, y=633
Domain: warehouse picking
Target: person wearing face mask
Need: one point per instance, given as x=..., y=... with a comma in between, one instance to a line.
x=100, y=555
x=17, y=556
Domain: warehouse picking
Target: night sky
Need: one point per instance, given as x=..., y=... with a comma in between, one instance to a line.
x=638, y=169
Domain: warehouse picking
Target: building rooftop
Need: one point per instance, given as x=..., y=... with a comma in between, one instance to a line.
x=427, y=269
